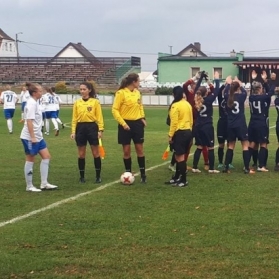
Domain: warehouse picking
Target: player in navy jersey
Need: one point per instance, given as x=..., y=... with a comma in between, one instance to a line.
x=276, y=103
x=222, y=126
x=235, y=96
x=204, y=130
x=258, y=127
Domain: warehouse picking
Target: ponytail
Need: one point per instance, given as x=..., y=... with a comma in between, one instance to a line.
x=32, y=88
x=133, y=77
x=234, y=87
x=200, y=94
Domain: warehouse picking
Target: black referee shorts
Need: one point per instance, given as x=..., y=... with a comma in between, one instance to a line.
x=181, y=141
x=87, y=132
x=136, y=132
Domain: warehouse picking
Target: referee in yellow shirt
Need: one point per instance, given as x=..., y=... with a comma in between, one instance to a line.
x=180, y=134
x=87, y=126
x=128, y=111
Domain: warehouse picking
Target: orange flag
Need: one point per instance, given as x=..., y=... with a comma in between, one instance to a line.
x=166, y=153
x=101, y=149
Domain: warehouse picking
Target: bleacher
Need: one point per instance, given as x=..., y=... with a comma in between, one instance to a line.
x=50, y=70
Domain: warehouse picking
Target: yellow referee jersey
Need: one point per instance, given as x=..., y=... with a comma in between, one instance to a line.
x=181, y=117
x=87, y=111
x=127, y=105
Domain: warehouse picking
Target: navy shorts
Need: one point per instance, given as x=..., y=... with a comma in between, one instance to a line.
x=222, y=130
x=258, y=132
x=50, y=114
x=136, y=132
x=240, y=133
x=204, y=135
x=23, y=104
x=87, y=132
x=181, y=141
x=9, y=113
x=33, y=148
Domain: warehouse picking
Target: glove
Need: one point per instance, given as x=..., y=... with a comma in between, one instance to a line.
x=205, y=75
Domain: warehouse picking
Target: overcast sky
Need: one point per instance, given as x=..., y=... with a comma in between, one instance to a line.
x=143, y=28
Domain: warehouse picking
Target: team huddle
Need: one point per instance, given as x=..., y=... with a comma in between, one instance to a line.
x=231, y=126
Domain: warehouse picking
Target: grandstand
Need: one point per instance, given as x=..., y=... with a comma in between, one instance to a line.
x=72, y=64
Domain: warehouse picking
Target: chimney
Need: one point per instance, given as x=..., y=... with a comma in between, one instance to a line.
x=233, y=53
x=197, y=45
x=79, y=43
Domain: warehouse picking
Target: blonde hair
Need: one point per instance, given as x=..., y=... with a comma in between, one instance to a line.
x=200, y=94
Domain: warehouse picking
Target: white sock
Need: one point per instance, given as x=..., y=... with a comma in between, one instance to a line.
x=22, y=115
x=44, y=171
x=47, y=125
x=10, y=124
x=28, y=173
x=55, y=123
x=59, y=121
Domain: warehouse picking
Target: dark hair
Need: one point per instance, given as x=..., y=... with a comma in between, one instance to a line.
x=234, y=87
x=133, y=77
x=31, y=87
x=49, y=90
x=200, y=94
x=92, y=93
x=53, y=89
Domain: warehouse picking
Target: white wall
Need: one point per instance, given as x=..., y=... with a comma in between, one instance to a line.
x=70, y=52
x=8, y=49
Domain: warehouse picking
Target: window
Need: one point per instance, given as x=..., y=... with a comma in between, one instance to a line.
x=11, y=47
x=220, y=71
x=6, y=46
x=194, y=70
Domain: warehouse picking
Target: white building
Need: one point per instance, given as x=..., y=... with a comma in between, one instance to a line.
x=7, y=45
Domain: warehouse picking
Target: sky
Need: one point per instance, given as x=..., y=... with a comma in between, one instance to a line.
x=123, y=28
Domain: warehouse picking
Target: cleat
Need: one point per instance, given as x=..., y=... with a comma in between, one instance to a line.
x=47, y=133
x=56, y=133
x=220, y=166
x=171, y=167
x=276, y=168
x=231, y=166
x=263, y=169
x=98, y=180
x=63, y=126
x=189, y=168
x=48, y=186
x=249, y=171
x=213, y=171
x=33, y=189
x=225, y=171
x=143, y=179
x=10, y=132
x=206, y=167
x=172, y=181
x=196, y=170
x=181, y=184
x=82, y=180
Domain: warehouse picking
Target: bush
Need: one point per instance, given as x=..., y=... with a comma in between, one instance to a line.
x=163, y=91
x=61, y=87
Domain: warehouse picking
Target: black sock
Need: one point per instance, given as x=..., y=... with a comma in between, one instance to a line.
x=173, y=159
x=98, y=166
x=246, y=158
x=141, y=162
x=266, y=157
x=262, y=155
x=228, y=158
x=182, y=167
x=197, y=156
x=220, y=154
x=128, y=164
x=177, y=172
x=81, y=167
x=211, y=158
x=277, y=156
x=255, y=155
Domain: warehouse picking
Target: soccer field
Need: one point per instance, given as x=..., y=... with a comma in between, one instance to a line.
x=220, y=226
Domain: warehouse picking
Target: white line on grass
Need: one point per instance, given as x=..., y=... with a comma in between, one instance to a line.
x=56, y=204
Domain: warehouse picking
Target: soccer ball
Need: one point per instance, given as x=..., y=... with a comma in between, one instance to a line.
x=127, y=178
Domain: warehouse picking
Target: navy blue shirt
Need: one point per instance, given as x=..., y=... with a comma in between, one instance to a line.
x=205, y=114
x=236, y=114
x=222, y=104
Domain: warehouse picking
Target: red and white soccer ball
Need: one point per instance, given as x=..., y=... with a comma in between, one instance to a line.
x=127, y=178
